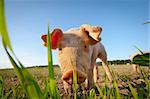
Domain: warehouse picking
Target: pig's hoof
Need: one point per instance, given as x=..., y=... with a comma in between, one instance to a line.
x=68, y=77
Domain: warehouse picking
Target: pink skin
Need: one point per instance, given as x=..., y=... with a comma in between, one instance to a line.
x=79, y=47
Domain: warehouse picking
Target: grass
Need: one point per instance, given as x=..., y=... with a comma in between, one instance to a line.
x=28, y=86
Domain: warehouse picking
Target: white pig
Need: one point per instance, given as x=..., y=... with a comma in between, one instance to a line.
x=78, y=49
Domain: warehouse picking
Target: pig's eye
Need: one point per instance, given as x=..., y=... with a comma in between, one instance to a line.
x=60, y=49
x=86, y=48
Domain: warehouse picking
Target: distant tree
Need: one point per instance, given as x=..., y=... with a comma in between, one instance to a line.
x=116, y=62
x=99, y=63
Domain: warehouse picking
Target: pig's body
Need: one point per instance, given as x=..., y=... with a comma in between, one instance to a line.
x=78, y=50
x=94, y=51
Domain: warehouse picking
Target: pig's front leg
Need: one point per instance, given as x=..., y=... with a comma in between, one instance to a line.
x=95, y=73
x=107, y=70
x=90, y=80
x=103, y=57
x=92, y=74
x=67, y=87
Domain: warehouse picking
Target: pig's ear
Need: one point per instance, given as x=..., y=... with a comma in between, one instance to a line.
x=44, y=38
x=90, y=37
x=56, y=38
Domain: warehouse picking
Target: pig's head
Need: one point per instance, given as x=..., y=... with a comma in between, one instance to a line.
x=73, y=50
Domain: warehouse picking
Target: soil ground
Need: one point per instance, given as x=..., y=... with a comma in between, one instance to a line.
x=41, y=75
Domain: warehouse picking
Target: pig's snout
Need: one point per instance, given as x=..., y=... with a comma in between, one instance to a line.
x=68, y=76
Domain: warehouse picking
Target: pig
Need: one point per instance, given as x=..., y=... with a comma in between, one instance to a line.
x=78, y=49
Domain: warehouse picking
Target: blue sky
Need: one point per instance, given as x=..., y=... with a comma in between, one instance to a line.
x=121, y=20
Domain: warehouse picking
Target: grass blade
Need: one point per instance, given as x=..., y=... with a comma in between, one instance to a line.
x=7, y=95
x=92, y=94
x=134, y=93
x=116, y=90
x=3, y=27
x=75, y=83
x=50, y=61
x=52, y=84
x=99, y=90
x=1, y=87
x=147, y=88
x=29, y=85
x=139, y=50
x=46, y=90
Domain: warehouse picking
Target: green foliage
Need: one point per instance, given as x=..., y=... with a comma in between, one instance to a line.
x=147, y=22
x=116, y=62
x=143, y=59
x=106, y=92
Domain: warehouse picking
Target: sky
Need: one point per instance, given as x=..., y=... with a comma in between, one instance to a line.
x=121, y=20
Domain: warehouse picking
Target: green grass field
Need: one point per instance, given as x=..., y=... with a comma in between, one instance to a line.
x=41, y=76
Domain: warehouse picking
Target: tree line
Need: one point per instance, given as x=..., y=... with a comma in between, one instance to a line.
x=117, y=62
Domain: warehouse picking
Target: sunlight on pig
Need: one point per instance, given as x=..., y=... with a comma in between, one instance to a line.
x=79, y=48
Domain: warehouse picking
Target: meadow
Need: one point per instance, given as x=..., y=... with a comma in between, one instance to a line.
x=12, y=88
